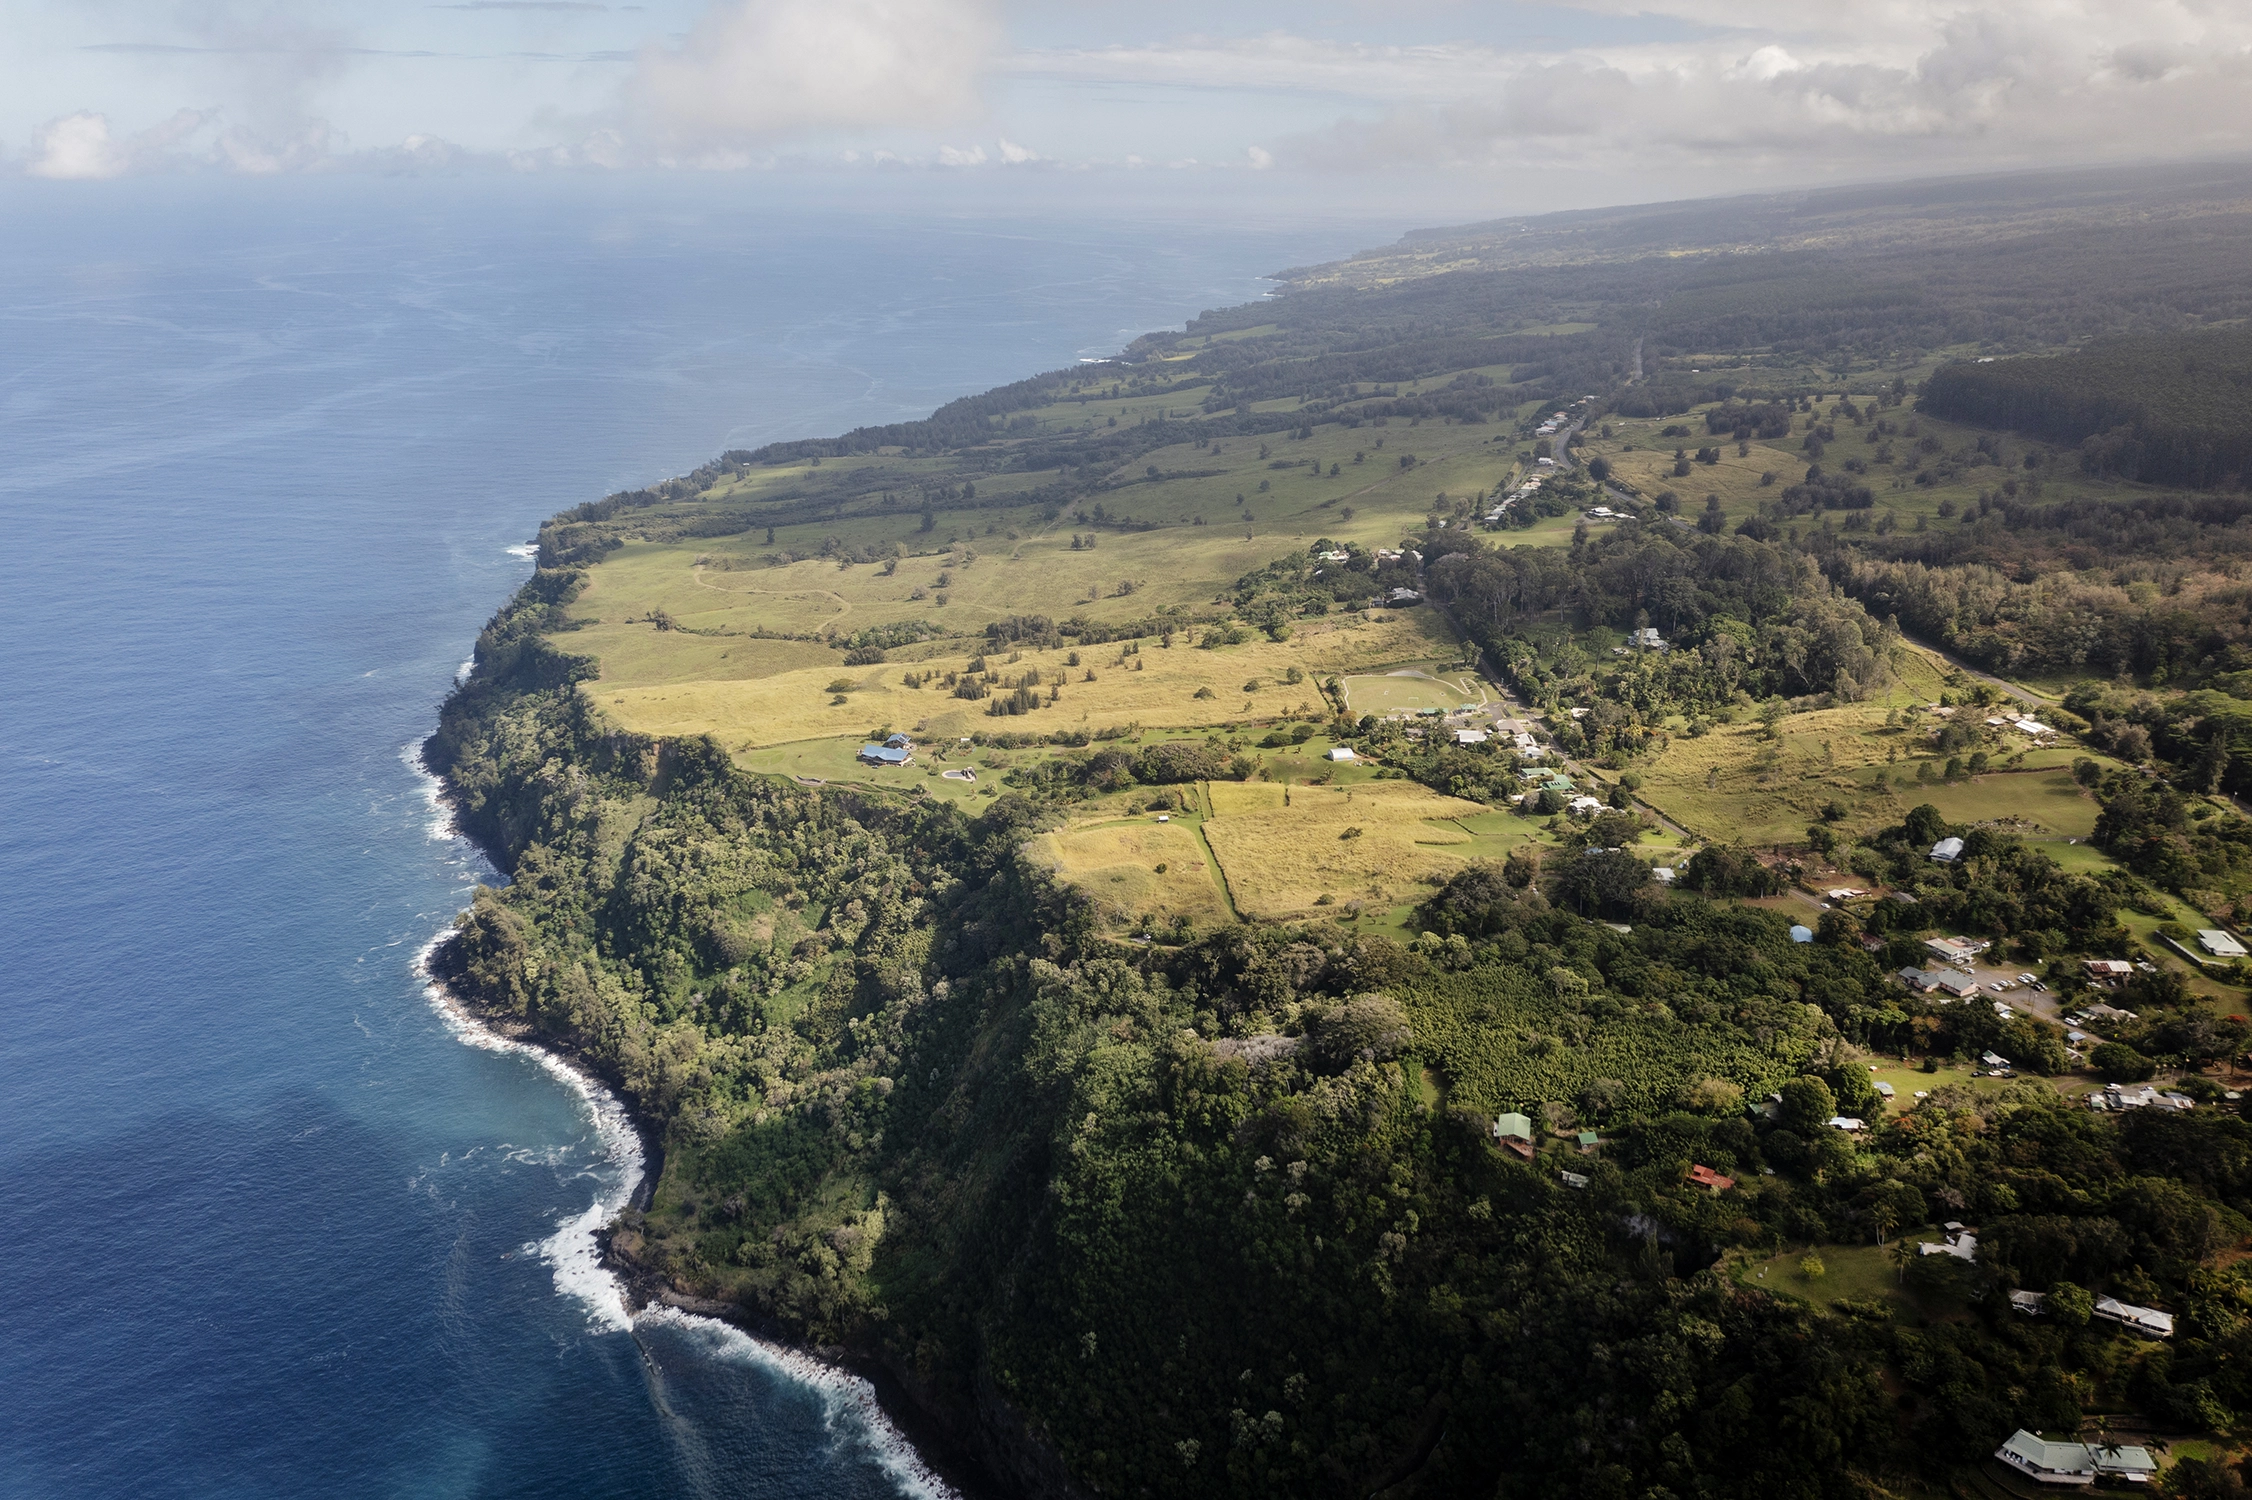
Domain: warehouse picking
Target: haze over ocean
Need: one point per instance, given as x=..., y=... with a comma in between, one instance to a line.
x=263, y=450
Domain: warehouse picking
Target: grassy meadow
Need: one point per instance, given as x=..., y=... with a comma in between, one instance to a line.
x=741, y=635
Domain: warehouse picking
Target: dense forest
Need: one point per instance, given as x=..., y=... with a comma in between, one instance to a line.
x=2172, y=410
x=1230, y=1214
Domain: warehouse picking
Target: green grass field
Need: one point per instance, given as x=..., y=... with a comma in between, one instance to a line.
x=1413, y=689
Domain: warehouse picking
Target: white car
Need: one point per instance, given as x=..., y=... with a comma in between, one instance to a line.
x=2028, y=979
x=1998, y=987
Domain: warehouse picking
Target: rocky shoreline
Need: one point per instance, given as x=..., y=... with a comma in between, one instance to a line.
x=997, y=1458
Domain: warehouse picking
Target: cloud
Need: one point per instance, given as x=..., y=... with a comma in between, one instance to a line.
x=753, y=73
x=81, y=147
x=1743, y=85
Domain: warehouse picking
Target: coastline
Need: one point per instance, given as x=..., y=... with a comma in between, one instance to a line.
x=904, y=1440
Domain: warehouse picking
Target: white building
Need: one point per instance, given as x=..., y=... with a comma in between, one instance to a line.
x=2047, y=1462
x=1470, y=736
x=1342, y=752
x=1958, y=951
x=2219, y=943
x=1947, y=850
x=2144, y=1320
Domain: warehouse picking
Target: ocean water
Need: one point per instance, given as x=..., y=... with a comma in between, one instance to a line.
x=276, y=1225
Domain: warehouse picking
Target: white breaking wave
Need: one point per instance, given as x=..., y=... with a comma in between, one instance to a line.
x=571, y=1251
x=850, y=1412
x=441, y=826
x=525, y=549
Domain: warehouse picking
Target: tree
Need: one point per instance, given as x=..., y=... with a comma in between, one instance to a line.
x=2069, y=1305
x=1599, y=469
x=2116, y=1062
x=1924, y=826
x=1808, y=1106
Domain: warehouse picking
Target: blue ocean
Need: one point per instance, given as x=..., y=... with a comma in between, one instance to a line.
x=277, y=1226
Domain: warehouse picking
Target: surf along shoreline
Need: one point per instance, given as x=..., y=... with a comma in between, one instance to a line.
x=935, y=1463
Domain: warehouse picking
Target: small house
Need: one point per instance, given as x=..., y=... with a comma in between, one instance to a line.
x=2032, y=1304
x=1342, y=752
x=2033, y=727
x=2219, y=943
x=886, y=755
x=1573, y=1179
x=1846, y=1123
x=1955, y=951
x=1711, y=1181
x=1470, y=736
x=2105, y=971
x=2148, y=1321
x=1513, y=1126
x=1402, y=597
x=1953, y=984
x=1588, y=1141
x=1584, y=807
x=1884, y=1090
x=1947, y=850
x=2135, y=1465
x=2047, y=1462
x=1662, y=874
x=1960, y=1243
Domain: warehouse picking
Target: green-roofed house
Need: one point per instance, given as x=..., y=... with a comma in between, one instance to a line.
x=1588, y=1142
x=1515, y=1133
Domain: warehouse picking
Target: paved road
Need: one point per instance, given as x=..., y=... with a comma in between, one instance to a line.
x=2023, y=695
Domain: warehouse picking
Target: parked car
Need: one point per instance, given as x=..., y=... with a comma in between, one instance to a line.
x=2029, y=979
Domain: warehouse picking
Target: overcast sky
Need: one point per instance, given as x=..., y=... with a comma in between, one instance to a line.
x=1461, y=109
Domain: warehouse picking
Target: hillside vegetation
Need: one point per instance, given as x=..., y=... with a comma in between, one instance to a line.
x=2174, y=409
x=1176, y=1073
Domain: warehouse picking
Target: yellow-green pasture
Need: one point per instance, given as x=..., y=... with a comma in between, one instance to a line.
x=1138, y=867
x=1156, y=687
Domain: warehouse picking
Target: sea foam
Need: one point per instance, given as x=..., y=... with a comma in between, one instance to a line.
x=850, y=1412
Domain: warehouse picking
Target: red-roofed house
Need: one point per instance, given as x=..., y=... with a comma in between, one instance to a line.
x=1706, y=1177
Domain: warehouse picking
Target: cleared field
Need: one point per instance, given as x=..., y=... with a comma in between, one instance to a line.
x=1411, y=690
x=1641, y=456
x=1139, y=868
x=1735, y=784
x=1281, y=860
x=2050, y=800
x=1156, y=688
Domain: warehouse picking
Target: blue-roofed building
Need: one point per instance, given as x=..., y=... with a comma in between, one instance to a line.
x=887, y=755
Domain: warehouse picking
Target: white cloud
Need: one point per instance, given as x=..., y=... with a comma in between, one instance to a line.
x=1016, y=155
x=81, y=146
x=953, y=156
x=1261, y=158
x=757, y=72
x=1757, y=86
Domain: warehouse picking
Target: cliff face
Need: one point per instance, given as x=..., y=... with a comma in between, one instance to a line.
x=645, y=874
x=918, y=1112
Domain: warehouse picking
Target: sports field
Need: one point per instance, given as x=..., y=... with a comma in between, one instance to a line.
x=1412, y=689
